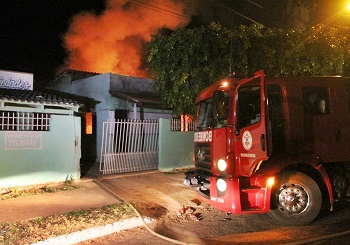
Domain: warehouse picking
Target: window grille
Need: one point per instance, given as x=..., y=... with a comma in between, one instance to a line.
x=182, y=125
x=24, y=121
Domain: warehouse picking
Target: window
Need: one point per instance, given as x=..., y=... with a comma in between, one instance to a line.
x=249, y=111
x=24, y=121
x=316, y=100
x=88, y=123
x=205, y=114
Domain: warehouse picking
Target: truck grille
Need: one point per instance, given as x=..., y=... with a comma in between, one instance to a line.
x=203, y=157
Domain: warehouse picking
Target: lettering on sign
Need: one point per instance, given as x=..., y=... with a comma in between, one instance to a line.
x=216, y=199
x=204, y=136
x=16, y=80
x=249, y=155
x=23, y=140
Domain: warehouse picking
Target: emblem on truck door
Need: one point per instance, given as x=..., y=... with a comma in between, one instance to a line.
x=247, y=140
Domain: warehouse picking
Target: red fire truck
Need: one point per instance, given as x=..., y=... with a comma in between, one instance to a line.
x=278, y=145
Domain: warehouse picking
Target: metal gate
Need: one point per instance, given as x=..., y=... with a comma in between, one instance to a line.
x=129, y=145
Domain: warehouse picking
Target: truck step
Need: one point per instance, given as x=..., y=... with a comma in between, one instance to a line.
x=251, y=189
x=252, y=209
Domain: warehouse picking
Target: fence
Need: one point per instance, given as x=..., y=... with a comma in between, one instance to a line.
x=129, y=145
x=182, y=124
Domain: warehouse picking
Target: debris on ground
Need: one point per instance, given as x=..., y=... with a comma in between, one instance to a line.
x=187, y=212
x=225, y=219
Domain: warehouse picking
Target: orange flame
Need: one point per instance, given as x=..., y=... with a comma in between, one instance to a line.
x=115, y=40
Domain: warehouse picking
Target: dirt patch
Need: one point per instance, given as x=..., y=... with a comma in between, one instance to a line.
x=15, y=192
x=150, y=210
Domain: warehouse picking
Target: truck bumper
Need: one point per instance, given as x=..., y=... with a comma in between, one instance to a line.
x=233, y=195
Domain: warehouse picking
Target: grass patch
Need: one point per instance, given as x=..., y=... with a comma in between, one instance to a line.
x=15, y=192
x=30, y=231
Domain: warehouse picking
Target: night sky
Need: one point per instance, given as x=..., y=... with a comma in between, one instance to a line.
x=32, y=30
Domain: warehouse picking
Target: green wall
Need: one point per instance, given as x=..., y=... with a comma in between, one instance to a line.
x=38, y=157
x=175, y=148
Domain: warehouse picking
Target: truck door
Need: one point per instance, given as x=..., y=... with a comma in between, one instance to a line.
x=250, y=139
x=326, y=120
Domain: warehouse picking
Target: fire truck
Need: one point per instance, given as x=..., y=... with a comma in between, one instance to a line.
x=278, y=145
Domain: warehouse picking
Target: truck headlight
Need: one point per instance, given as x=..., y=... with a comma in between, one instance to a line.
x=222, y=165
x=221, y=185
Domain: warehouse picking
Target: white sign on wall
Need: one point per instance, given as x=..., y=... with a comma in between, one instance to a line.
x=16, y=80
x=23, y=140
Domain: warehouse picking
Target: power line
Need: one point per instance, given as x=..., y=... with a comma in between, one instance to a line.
x=239, y=14
x=158, y=9
x=168, y=6
x=255, y=4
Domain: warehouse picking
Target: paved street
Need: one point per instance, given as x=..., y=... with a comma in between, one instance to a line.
x=162, y=195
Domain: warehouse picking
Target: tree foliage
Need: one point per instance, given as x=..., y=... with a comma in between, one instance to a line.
x=188, y=60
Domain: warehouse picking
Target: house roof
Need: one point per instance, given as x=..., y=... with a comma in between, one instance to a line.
x=35, y=97
x=132, y=89
x=76, y=74
x=145, y=99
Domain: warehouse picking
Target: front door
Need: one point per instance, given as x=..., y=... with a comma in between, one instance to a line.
x=250, y=144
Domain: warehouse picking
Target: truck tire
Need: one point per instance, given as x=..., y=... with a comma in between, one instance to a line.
x=297, y=199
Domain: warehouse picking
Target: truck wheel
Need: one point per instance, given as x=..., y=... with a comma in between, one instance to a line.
x=297, y=198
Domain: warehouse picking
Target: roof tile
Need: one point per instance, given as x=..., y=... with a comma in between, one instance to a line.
x=31, y=96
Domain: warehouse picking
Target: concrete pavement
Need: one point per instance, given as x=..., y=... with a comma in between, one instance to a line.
x=92, y=194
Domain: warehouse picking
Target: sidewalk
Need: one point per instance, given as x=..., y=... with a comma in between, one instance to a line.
x=101, y=190
x=91, y=195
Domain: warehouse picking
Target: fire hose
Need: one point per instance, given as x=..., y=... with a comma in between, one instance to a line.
x=141, y=218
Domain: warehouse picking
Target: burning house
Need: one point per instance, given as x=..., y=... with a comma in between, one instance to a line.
x=101, y=47
x=114, y=97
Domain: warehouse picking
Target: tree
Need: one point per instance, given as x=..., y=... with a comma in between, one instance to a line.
x=318, y=51
x=188, y=60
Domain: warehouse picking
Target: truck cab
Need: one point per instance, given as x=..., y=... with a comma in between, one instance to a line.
x=277, y=145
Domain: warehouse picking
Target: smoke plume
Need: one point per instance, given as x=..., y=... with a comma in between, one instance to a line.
x=114, y=41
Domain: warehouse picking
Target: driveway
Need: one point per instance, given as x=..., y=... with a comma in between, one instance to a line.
x=182, y=217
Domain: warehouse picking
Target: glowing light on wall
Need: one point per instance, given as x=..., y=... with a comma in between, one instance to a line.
x=88, y=122
x=185, y=120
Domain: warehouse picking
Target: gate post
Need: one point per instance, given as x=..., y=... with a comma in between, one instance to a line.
x=175, y=147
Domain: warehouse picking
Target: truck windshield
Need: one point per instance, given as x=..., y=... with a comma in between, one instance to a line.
x=205, y=115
